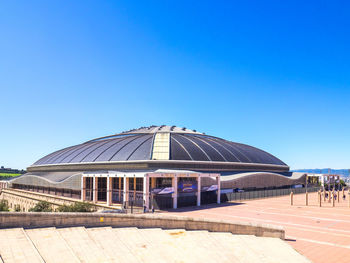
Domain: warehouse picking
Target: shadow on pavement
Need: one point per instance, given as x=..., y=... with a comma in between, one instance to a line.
x=202, y=207
x=290, y=240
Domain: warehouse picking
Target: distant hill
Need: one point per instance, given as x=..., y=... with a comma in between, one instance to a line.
x=341, y=172
x=8, y=173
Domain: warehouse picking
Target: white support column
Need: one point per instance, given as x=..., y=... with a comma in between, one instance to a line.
x=322, y=181
x=198, y=190
x=329, y=182
x=146, y=192
x=219, y=189
x=174, y=185
x=83, y=186
x=125, y=190
x=109, y=190
x=94, y=189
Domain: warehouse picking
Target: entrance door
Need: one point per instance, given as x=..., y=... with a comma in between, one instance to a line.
x=102, y=189
x=88, y=188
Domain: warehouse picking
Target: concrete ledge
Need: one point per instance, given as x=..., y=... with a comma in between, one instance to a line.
x=33, y=220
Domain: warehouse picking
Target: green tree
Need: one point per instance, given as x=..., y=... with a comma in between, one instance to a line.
x=42, y=206
x=76, y=207
x=4, y=206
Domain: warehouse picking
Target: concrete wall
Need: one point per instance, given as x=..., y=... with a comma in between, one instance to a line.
x=8, y=219
x=27, y=199
x=24, y=202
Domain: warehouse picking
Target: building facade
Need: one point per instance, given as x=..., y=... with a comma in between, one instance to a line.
x=166, y=165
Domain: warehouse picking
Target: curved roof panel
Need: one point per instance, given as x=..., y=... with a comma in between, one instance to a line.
x=137, y=145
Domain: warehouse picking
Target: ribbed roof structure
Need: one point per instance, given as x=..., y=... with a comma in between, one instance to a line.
x=159, y=143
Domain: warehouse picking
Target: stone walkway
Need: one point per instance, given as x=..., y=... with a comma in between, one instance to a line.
x=322, y=234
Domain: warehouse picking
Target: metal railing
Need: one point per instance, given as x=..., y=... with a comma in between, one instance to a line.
x=165, y=201
x=258, y=194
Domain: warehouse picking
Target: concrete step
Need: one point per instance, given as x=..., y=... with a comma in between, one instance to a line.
x=133, y=245
x=144, y=250
x=44, y=238
x=273, y=249
x=232, y=247
x=111, y=245
x=194, y=251
x=248, y=248
x=210, y=245
x=83, y=246
x=15, y=246
x=167, y=249
x=256, y=245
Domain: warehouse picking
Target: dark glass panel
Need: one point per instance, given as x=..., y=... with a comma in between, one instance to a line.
x=98, y=151
x=209, y=150
x=229, y=156
x=110, y=152
x=51, y=157
x=79, y=156
x=69, y=153
x=237, y=152
x=195, y=152
x=177, y=152
x=129, y=148
x=143, y=152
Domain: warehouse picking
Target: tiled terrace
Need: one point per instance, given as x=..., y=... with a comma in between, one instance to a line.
x=322, y=234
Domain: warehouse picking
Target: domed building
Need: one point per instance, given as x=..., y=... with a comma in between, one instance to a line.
x=167, y=164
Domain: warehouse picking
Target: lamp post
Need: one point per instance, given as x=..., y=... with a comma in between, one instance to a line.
x=306, y=193
x=320, y=197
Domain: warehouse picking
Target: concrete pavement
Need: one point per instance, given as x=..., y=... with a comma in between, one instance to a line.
x=322, y=234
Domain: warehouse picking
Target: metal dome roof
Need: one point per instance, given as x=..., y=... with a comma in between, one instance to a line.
x=169, y=143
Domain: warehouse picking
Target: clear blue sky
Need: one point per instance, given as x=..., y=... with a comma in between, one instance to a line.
x=272, y=74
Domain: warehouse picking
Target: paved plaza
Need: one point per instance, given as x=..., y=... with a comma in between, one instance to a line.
x=322, y=234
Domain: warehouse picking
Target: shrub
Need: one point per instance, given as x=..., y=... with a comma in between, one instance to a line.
x=4, y=206
x=42, y=206
x=342, y=183
x=17, y=208
x=76, y=207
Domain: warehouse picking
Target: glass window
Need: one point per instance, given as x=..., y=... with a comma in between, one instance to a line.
x=139, y=184
x=163, y=182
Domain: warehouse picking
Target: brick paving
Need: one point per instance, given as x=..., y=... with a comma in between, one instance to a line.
x=322, y=234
